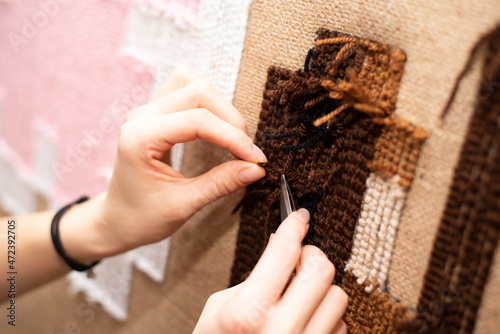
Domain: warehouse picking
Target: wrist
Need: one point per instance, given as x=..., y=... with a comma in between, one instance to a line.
x=82, y=234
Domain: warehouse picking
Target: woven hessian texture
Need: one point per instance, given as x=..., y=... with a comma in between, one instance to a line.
x=436, y=37
x=488, y=319
x=468, y=233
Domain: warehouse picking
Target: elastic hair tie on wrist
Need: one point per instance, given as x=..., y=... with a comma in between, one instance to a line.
x=56, y=240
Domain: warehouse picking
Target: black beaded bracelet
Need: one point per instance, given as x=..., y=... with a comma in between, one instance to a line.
x=54, y=232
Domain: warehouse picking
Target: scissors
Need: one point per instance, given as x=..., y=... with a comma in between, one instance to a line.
x=287, y=204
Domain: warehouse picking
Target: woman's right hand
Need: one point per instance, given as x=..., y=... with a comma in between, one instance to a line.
x=267, y=302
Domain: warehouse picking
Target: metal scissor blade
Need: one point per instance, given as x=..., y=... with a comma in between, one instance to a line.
x=286, y=201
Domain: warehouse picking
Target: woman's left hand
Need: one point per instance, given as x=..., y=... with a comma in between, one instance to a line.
x=147, y=199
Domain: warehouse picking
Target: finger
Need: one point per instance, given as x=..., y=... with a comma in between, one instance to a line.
x=222, y=180
x=200, y=94
x=327, y=317
x=272, y=273
x=341, y=328
x=153, y=137
x=307, y=289
x=181, y=76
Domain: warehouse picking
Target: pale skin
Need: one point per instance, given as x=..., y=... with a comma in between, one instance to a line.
x=184, y=109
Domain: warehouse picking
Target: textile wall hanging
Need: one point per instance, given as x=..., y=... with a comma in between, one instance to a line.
x=435, y=58
x=436, y=37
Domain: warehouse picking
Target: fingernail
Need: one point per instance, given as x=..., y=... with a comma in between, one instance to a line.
x=259, y=154
x=251, y=174
x=303, y=215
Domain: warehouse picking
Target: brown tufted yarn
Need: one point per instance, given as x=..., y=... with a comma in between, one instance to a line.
x=324, y=170
x=470, y=227
x=371, y=312
x=326, y=164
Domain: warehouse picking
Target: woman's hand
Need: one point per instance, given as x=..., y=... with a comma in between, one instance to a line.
x=147, y=199
x=309, y=303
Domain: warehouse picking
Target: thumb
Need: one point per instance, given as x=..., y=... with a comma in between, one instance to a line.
x=223, y=180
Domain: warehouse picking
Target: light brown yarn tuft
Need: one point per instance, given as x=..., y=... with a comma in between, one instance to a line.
x=373, y=81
